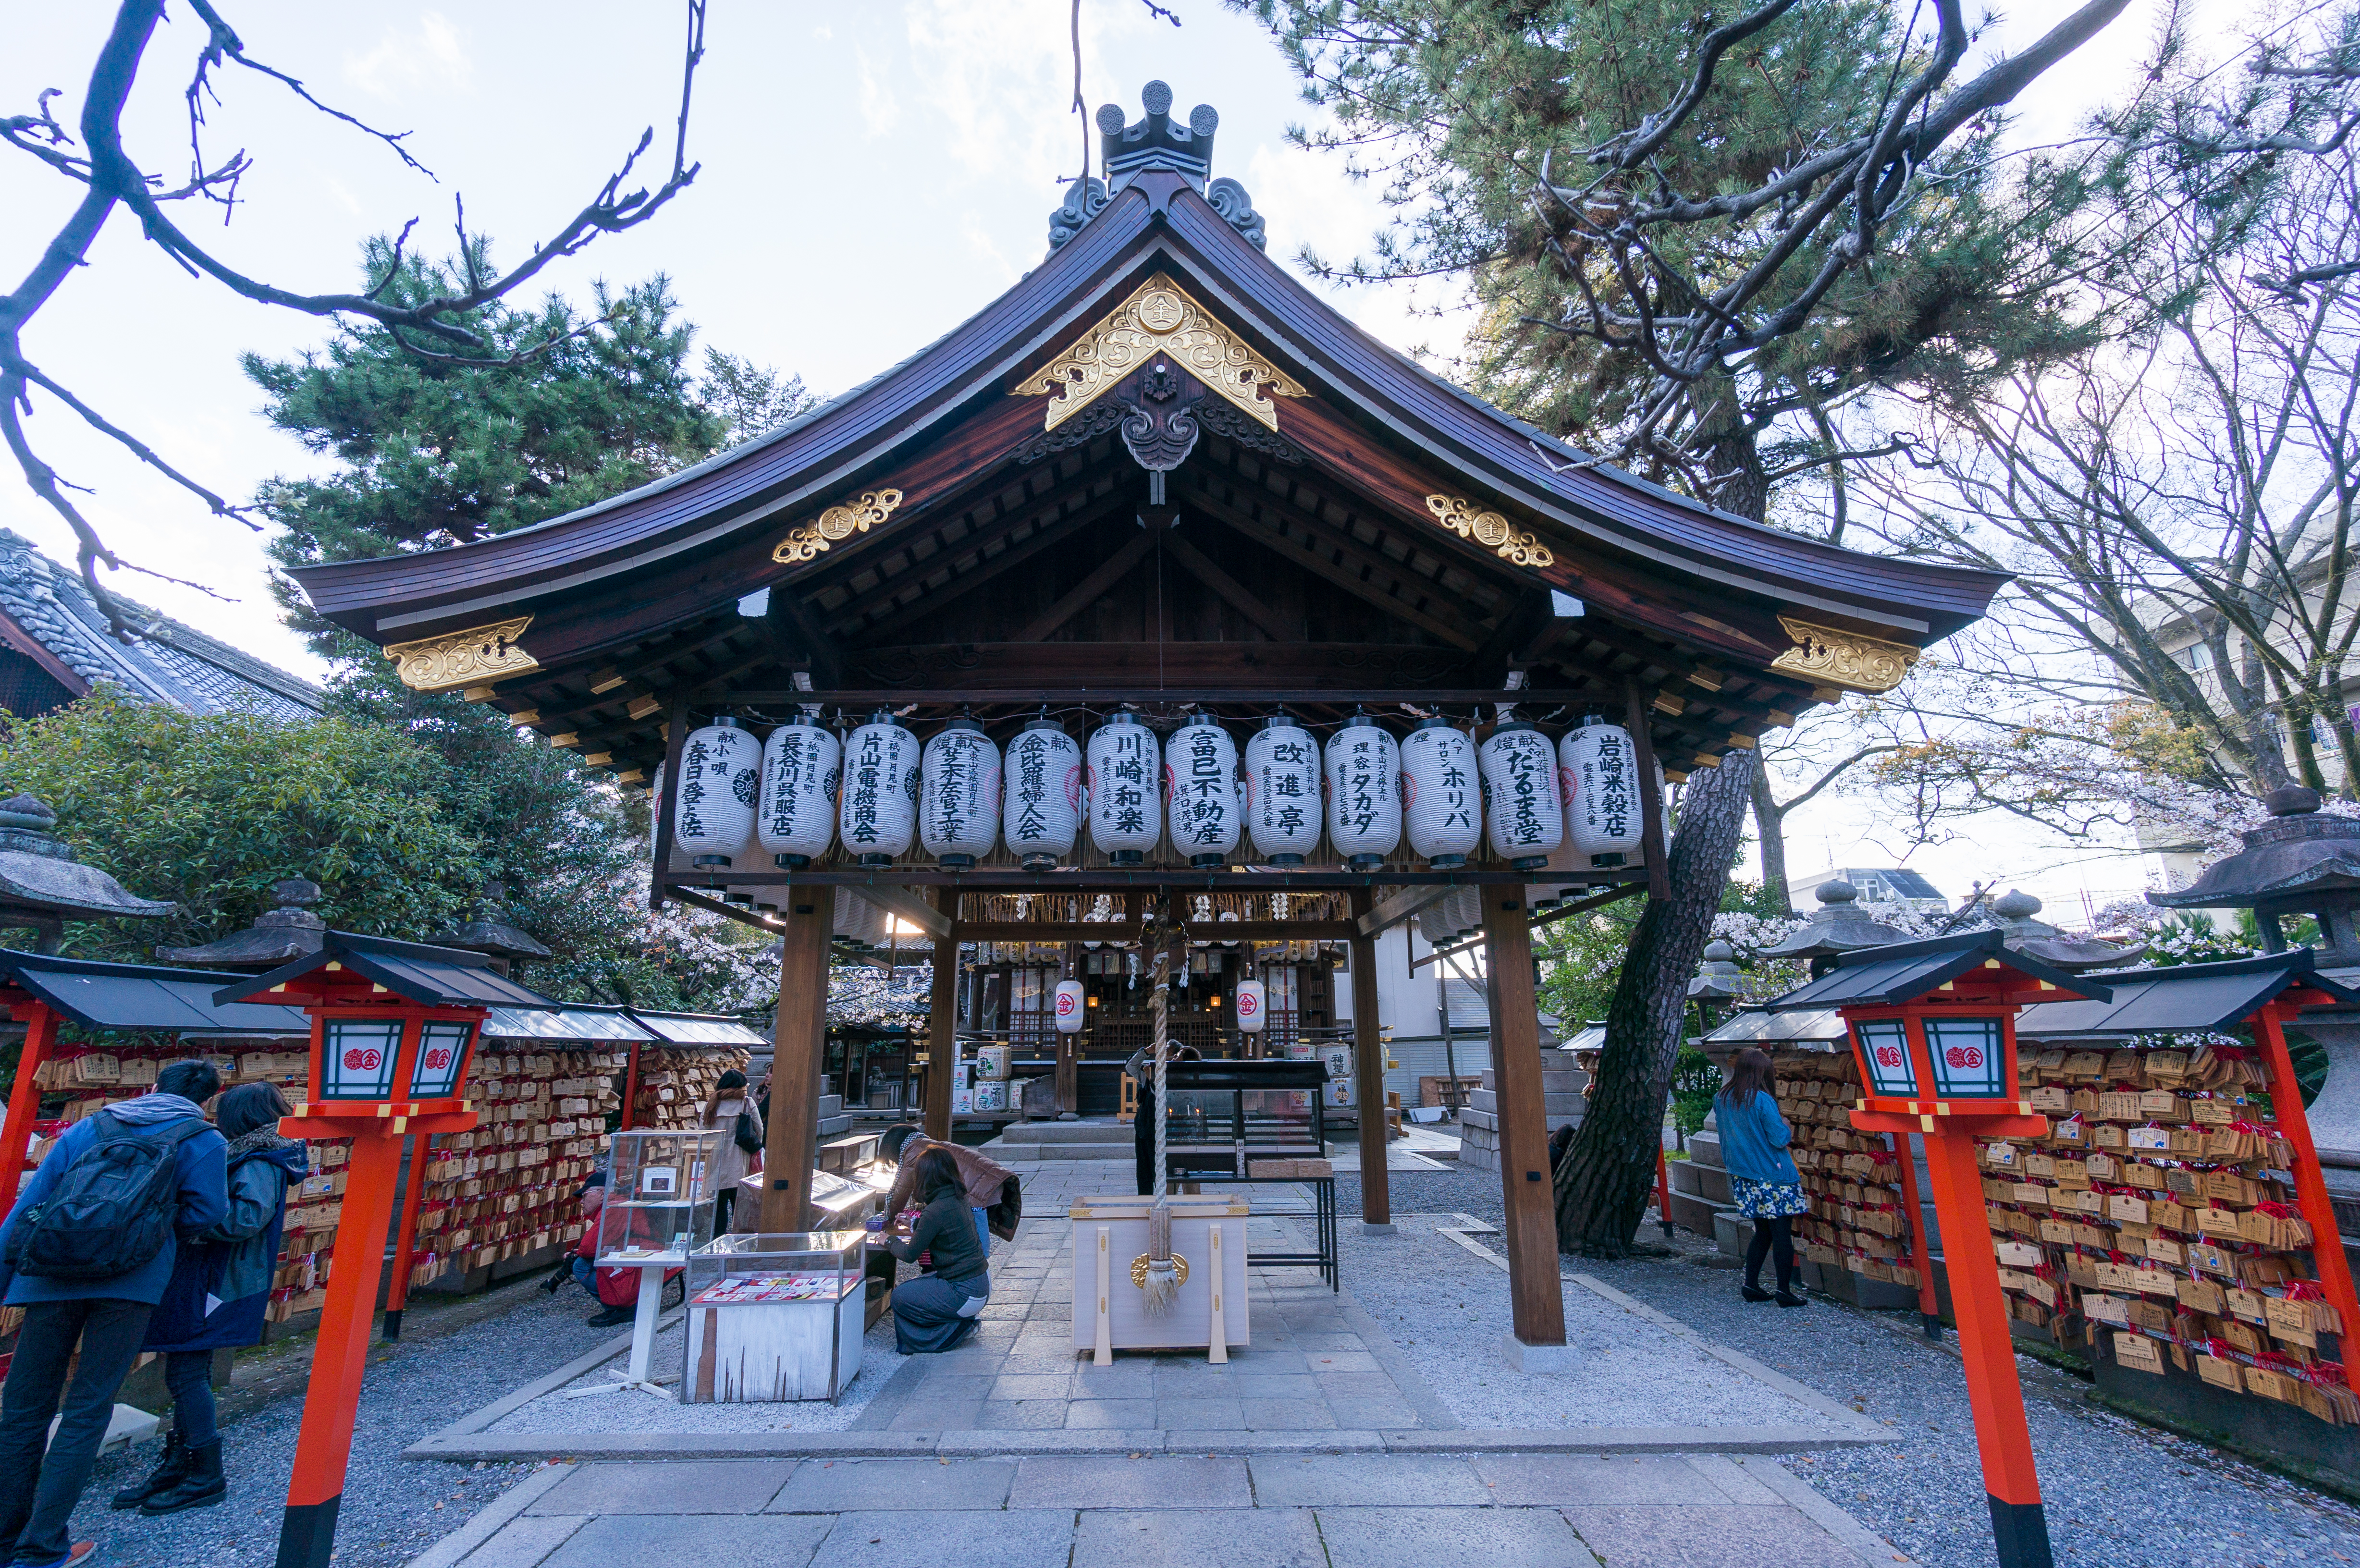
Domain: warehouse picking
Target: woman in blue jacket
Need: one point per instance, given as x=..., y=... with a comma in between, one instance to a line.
x=219, y=1290
x=1761, y=1174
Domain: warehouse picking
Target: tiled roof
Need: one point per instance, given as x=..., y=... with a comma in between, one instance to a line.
x=170, y=663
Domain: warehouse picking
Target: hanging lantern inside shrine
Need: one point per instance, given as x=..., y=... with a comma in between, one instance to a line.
x=881, y=790
x=1282, y=791
x=1520, y=795
x=1071, y=1006
x=1599, y=768
x=802, y=765
x=1043, y=796
x=1126, y=794
x=958, y=805
x=720, y=782
x=1201, y=769
x=1254, y=1006
x=1441, y=794
x=1364, y=811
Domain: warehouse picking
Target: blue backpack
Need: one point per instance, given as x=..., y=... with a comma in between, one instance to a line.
x=113, y=1209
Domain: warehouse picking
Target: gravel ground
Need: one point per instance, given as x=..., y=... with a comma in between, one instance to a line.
x=392, y=1510
x=2119, y=1495
x=1448, y=1310
x=629, y=1412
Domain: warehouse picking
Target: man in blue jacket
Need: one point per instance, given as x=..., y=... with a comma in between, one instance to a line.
x=107, y=1317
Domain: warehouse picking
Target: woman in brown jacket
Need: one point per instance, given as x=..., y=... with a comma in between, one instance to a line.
x=993, y=1191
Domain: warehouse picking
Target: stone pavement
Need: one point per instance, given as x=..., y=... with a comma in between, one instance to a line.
x=1264, y=1511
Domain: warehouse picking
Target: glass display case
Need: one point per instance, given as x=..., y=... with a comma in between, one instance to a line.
x=775, y=1317
x=660, y=1195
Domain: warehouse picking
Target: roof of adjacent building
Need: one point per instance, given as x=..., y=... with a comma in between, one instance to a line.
x=48, y=614
x=2185, y=998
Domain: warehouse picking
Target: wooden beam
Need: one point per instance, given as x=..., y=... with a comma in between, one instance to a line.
x=798, y=1047
x=1116, y=930
x=910, y=907
x=1089, y=590
x=1050, y=528
x=1019, y=697
x=1197, y=564
x=942, y=1022
x=1395, y=906
x=1651, y=800
x=793, y=624
x=675, y=737
x=1369, y=1075
x=1536, y=1297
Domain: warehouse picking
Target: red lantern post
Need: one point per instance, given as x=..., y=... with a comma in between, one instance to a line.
x=1933, y=1025
x=393, y=1025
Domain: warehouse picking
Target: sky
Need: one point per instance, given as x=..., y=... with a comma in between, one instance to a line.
x=872, y=175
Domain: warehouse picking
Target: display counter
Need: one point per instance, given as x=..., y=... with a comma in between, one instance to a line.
x=773, y=1318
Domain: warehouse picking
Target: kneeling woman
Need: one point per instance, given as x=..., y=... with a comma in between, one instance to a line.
x=938, y=1309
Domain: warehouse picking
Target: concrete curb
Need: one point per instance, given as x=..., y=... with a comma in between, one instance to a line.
x=1807, y=1501
x=489, y=1519
x=511, y=1447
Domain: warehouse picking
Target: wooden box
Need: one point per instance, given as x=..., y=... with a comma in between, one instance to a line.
x=1115, y=1229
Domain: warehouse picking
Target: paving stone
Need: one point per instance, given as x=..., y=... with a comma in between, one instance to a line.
x=1109, y=1483
x=1286, y=1415
x=1023, y=1386
x=926, y=1415
x=1708, y=1538
x=1734, y=1480
x=1017, y=1415
x=1364, y=1480
x=1110, y=1413
x=1374, y=1415
x=1456, y=1537
x=1259, y=1361
x=1334, y=1361
x=872, y=1485
x=1276, y=1386
x=1324, y=1342
x=1264, y=1538
x=693, y=1487
x=773, y=1540
x=1199, y=1415
x=1551, y=1480
x=1000, y=1539
x=1357, y=1385
x=522, y=1542
x=1123, y=1380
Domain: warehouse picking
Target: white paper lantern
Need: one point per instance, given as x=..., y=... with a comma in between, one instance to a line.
x=1599, y=768
x=1042, y=809
x=881, y=791
x=1072, y=1006
x=1520, y=795
x=1126, y=791
x=958, y=802
x=1364, y=813
x=802, y=765
x=720, y=782
x=1282, y=791
x=1254, y=1006
x=1441, y=794
x=1201, y=768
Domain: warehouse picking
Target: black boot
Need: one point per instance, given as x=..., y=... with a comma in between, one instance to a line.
x=169, y=1472
x=201, y=1487
x=608, y=1317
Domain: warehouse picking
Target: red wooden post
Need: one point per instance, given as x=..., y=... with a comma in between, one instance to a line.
x=2310, y=1183
x=397, y=1290
x=1663, y=1195
x=1930, y=1314
x=631, y=1091
x=25, y=1098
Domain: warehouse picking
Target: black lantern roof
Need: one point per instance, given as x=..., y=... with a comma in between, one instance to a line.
x=2189, y=997
x=141, y=996
x=416, y=971
x=1839, y=927
x=1885, y=977
x=277, y=936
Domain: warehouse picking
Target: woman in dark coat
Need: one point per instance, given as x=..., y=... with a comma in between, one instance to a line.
x=220, y=1288
x=938, y=1309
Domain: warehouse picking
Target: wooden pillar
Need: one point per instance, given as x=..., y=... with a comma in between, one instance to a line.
x=941, y=1026
x=1539, y=1306
x=789, y=1150
x=1369, y=1068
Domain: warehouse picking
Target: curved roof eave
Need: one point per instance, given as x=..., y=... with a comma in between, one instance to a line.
x=804, y=460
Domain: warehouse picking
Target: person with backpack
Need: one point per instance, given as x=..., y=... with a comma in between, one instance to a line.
x=733, y=1111
x=87, y=1252
x=216, y=1300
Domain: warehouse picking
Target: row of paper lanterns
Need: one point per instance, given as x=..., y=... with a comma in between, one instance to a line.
x=803, y=792
x=1250, y=1007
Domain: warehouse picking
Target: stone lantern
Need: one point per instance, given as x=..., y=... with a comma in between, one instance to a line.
x=277, y=936
x=1837, y=929
x=487, y=934
x=43, y=886
x=2298, y=863
x=2037, y=939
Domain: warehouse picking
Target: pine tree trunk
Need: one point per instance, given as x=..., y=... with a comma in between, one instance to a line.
x=1605, y=1180
x=1771, y=823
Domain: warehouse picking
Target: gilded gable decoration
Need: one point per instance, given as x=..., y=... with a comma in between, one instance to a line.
x=1850, y=659
x=1490, y=530
x=476, y=657
x=1160, y=317
x=838, y=522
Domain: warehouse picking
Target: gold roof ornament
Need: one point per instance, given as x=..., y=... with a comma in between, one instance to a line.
x=1849, y=660
x=1160, y=317
x=1490, y=530
x=838, y=522
x=476, y=657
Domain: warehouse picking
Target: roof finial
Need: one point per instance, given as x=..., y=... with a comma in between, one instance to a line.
x=1157, y=142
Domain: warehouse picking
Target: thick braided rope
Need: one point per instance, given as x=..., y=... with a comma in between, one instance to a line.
x=1159, y=1003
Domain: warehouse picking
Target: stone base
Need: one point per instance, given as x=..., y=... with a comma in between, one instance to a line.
x=1540, y=1360
x=1386, y=1229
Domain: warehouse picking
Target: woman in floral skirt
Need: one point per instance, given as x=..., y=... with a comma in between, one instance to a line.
x=1761, y=1174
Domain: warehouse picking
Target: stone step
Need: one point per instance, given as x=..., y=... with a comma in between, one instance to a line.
x=1691, y=1212
x=1708, y=1182
x=1066, y=1132
x=1569, y=1106
x=831, y=1106
x=1472, y=1120
x=834, y=1126
x=1554, y=1080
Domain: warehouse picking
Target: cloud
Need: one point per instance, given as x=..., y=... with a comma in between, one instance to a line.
x=432, y=57
x=879, y=110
